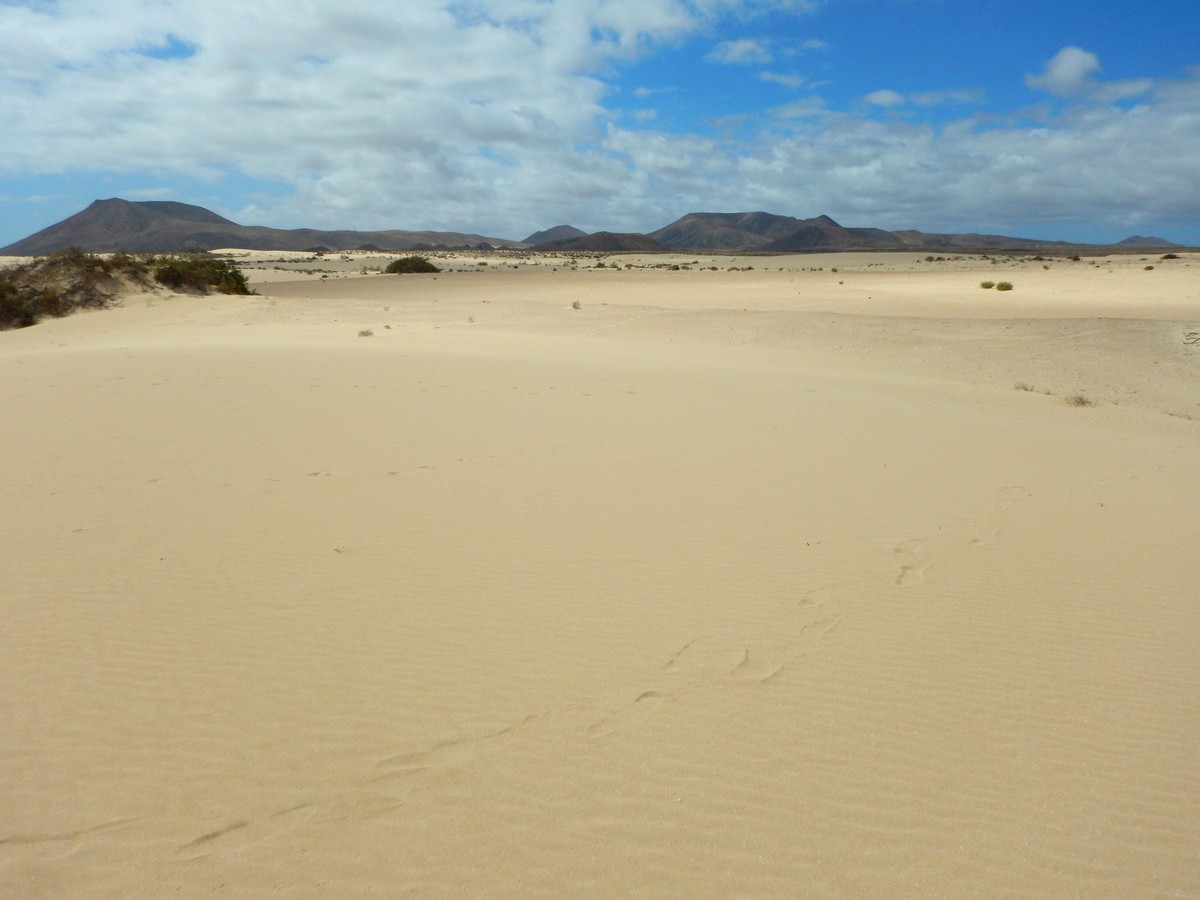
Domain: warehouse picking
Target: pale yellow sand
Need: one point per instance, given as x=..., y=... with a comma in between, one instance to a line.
x=722, y=584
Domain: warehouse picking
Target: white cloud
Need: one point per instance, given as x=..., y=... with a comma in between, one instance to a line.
x=1067, y=74
x=1091, y=167
x=746, y=51
x=1070, y=74
x=884, y=98
x=496, y=116
x=791, y=81
x=888, y=98
x=947, y=97
x=808, y=108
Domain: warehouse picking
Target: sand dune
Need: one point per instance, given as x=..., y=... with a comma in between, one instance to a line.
x=760, y=583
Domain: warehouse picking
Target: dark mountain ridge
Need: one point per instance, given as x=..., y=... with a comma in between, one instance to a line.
x=1149, y=242
x=606, y=242
x=557, y=233
x=167, y=226
x=768, y=233
x=157, y=226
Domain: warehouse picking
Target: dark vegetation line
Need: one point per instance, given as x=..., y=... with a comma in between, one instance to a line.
x=72, y=279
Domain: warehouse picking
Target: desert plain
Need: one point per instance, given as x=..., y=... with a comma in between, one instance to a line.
x=765, y=576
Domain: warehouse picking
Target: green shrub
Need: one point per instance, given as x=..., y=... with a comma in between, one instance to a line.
x=1004, y=286
x=18, y=306
x=63, y=282
x=987, y=284
x=411, y=265
x=199, y=273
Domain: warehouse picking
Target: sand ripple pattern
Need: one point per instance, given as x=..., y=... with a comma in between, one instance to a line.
x=588, y=612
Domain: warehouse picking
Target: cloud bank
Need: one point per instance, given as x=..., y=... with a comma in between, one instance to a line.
x=505, y=116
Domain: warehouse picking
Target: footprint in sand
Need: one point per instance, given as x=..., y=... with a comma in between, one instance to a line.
x=760, y=665
x=450, y=752
x=243, y=833
x=1005, y=500
x=645, y=702
x=912, y=574
x=912, y=570
x=62, y=844
x=1011, y=495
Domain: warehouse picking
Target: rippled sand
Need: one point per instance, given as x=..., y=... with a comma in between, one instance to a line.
x=725, y=583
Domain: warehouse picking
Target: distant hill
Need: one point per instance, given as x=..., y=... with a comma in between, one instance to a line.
x=768, y=233
x=607, y=242
x=163, y=226
x=557, y=233
x=725, y=231
x=1150, y=243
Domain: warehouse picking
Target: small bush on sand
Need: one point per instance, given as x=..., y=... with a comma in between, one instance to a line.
x=987, y=285
x=19, y=307
x=411, y=265
x=1078, y=400
x=60, y=283
x=199, y=273
x=72, y=279
x=1004, y=286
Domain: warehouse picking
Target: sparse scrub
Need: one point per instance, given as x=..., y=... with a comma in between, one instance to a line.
x=366, y=332
x=987, y=285
x=1078, y=400
x=1004, y=286
x=63, y=282
x=199, y=273
x=19, y=307
x=413, y=265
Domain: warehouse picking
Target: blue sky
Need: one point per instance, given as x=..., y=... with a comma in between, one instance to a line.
x=1048, y=119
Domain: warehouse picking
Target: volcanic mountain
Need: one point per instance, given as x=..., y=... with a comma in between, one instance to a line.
x=607, y=242
x=162, y=226
x=158, y=226
x=1147, y=242
x=767, y=233
x=557, y=233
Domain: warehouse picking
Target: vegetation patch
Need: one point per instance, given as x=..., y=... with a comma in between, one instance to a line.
x=1004, y=286
x=198, y=273
x=987, y=285
x=412, y=265
x=72, y=279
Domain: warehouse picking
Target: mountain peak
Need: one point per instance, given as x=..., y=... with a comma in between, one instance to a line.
x=557, y=233
x=1150, y=241
x=185, y=211
x=157, y=226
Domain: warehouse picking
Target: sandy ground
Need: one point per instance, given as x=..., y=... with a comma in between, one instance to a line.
x=780, y=582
